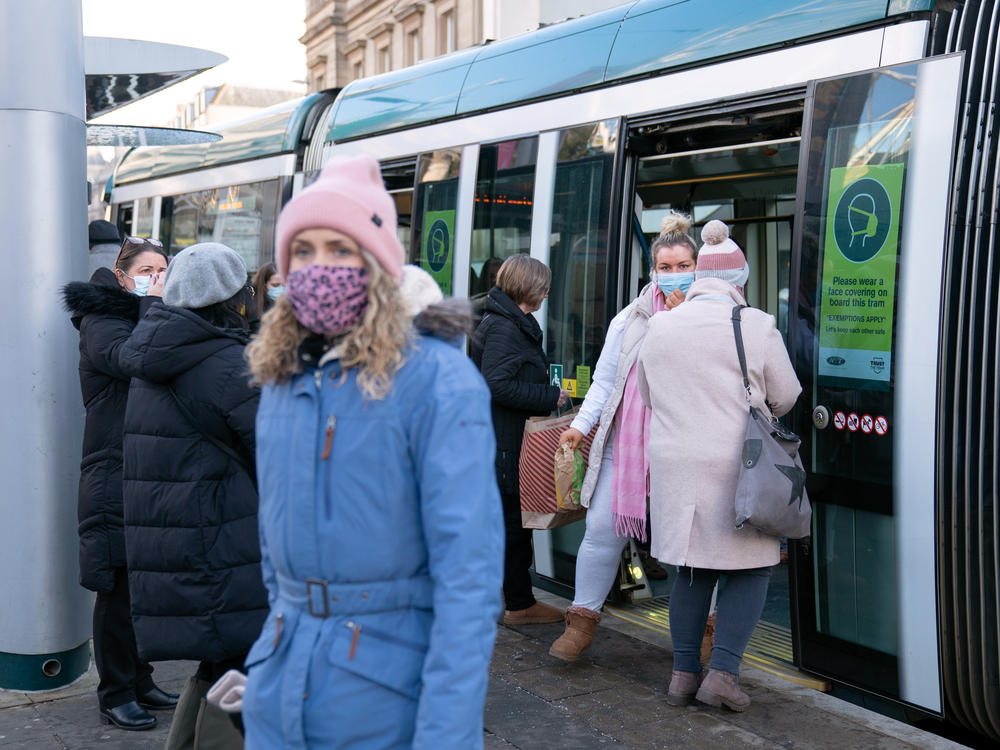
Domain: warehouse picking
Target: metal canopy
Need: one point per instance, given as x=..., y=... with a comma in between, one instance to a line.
x=122, y=71
x=133, y=136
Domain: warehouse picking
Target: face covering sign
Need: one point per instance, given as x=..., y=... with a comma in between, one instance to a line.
x=859, y=272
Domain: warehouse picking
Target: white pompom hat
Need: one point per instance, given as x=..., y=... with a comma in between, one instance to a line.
x=720, y=257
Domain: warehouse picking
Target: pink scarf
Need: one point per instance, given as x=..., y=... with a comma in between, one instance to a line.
x=630, y=469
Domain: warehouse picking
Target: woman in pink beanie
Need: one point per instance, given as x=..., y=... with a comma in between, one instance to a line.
x=380, y=526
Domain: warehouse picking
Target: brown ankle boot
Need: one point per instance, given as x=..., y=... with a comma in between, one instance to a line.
x=723, y=689
x=579, y=634
x=538, y=613
x=683, y=686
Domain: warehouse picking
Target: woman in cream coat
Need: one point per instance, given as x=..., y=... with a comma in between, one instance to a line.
x=689, y=375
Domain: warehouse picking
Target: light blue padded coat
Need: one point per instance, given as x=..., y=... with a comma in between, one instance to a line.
x=382, y=539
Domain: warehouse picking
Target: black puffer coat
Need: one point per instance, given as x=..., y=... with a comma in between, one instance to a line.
x=190, y=508
x=105, y=315
x=507, y=348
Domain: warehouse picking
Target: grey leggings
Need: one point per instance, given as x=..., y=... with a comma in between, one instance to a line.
x=738, y=608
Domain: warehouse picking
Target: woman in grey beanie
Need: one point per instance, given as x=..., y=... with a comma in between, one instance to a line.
x=190, y=492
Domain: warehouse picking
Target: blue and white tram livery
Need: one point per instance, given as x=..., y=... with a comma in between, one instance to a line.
x=852, y=148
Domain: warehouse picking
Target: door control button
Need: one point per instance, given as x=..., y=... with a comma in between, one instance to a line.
x=821, y=417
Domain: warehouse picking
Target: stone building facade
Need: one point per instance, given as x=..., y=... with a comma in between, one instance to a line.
x=350, y=39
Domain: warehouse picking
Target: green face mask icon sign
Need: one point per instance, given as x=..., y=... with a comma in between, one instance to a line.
x=862, y=220
x=859, y=273
x=437, y=255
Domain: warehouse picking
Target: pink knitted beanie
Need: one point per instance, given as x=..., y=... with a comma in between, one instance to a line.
x=348, y=196
x=720, y=257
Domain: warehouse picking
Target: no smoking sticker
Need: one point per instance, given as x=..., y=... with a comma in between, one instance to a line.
x=839, y=420
x=866, y=423
x=852, y=422
x=881, y=425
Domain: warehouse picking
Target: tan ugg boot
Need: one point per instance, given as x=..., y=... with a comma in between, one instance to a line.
x=708, y=640
x=579, y=634
x=723, y=689
x=538, y=613
x=683, y=686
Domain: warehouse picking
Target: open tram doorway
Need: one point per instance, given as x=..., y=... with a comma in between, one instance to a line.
x=741, y=167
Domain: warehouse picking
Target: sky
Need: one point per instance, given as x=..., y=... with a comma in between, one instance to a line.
x=260, y=38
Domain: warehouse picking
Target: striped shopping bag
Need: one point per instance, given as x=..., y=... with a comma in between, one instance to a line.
x=539, y=503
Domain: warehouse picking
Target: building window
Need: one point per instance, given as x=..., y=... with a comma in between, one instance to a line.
x=384, y=59
x=413, y=47
x=359, y=69
x=446, y=32
x=320, y=82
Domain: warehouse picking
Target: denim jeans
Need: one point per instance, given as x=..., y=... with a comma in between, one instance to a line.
x=737, y=609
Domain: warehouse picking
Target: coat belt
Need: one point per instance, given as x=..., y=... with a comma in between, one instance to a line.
x=323, y=599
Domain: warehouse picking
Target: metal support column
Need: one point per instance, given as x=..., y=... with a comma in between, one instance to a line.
x=45, y=615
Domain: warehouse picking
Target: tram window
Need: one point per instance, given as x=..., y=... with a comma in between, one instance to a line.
x=750, y=187
x=501, y=219
x=579, y=239
x=433, y=215
x=240, y=216
x=142, y=221
x=125, y=219
x=399, y=179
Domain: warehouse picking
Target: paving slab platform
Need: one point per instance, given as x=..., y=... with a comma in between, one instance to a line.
x=614, y=697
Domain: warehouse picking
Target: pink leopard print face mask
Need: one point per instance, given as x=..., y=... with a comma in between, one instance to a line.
x=328, y=300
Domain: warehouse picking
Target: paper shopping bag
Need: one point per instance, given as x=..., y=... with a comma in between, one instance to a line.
x=540, y=507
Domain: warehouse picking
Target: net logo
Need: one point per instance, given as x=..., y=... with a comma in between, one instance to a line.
x=836, y=361
x=862, y=220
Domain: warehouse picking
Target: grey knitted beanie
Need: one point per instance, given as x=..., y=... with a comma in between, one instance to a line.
x=203, y=274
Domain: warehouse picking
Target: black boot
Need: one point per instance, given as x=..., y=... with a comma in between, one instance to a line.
x=155, y=699
x=129, y=716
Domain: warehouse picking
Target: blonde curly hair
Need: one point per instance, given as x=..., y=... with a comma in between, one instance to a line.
x=376, y=345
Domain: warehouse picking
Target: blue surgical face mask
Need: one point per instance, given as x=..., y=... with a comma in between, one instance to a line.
x=275, y=291
x=667, y=282
x=141, y=285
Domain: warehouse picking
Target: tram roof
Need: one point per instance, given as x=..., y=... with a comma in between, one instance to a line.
x=635, y=39
x=274, y=130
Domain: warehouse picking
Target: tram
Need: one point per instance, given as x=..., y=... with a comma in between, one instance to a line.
x=851, y=147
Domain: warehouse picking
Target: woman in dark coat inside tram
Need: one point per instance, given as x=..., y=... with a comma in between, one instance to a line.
x=105, y=310
x=189, y=482
x=507, y=348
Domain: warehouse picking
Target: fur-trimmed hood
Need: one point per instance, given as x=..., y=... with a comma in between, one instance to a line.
x=102, y=295
x=447, y=320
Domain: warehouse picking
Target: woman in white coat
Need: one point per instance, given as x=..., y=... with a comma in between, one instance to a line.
x=608, y=486
x=689, y=375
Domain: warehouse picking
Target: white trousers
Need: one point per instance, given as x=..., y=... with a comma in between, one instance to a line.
x=601, y=549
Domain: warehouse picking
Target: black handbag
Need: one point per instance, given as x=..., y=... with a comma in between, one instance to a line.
x=771, y=491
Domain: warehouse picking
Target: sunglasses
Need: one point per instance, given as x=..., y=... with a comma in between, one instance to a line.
x=137, y=242
x=141, y=241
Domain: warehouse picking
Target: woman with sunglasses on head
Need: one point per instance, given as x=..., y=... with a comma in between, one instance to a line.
x=105, y=310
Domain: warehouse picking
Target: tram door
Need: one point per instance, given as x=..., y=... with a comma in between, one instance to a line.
x=740, y=169
x=873, y=192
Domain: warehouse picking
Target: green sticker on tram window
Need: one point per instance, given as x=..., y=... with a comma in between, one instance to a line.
x=556, y=375
x=582, y=380
x=858, y=293
x=438, y=247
